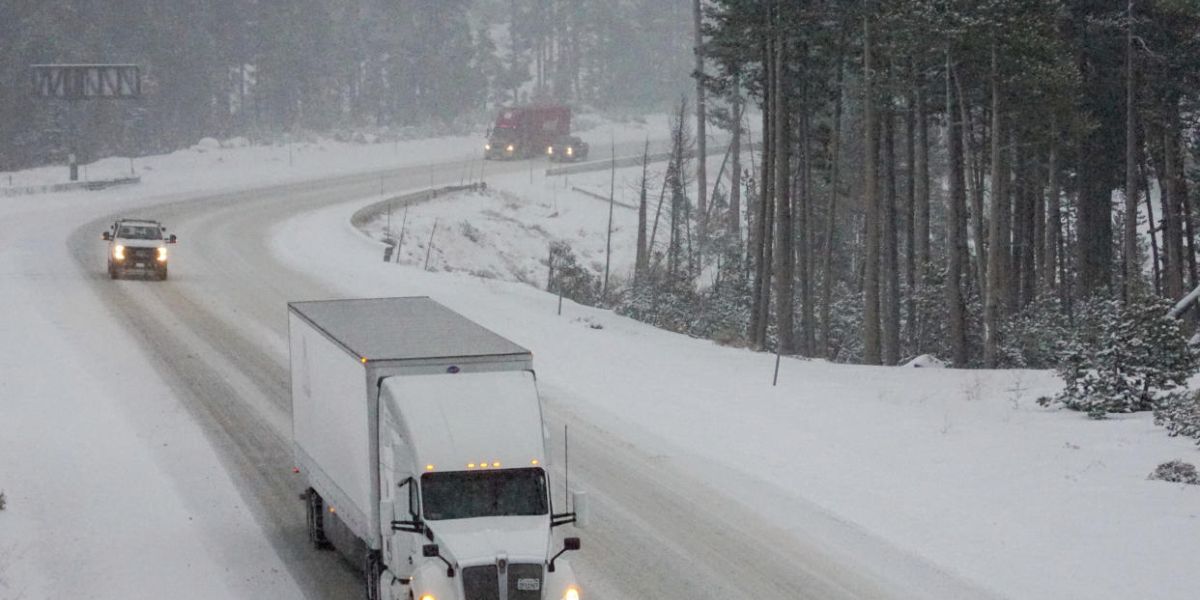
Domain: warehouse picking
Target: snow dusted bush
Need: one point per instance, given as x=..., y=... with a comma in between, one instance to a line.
x=1124, y=358
x=1033, y=338
x=3, y=501
x=1180, y=414
x=1176, y=471
x=663, y=301
x=572, y=279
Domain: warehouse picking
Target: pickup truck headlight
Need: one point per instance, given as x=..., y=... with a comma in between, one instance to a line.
x=119, y=252
x=570, y=151
x=487, y=146
x=572, y=594
x=428, y=597
x=162, y=254
x=510, y=148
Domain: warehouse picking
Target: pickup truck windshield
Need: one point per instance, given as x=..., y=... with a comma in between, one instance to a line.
x=467, y=494
x=139, y=232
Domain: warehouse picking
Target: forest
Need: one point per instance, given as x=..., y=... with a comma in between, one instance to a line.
x=937, y=174
x=262, y=69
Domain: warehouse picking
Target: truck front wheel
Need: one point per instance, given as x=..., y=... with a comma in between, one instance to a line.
x=315, y=509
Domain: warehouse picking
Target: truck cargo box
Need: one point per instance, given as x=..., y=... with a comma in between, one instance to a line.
x=341, y=350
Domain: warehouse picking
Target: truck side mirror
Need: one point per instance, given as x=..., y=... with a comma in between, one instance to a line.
x=172, y=239
x=106, y=236
x=583, y=512
x=432, y=551
x=569, y=544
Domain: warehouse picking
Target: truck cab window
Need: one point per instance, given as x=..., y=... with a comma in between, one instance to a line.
x=468, y=494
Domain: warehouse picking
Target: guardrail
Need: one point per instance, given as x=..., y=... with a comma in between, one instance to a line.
x=50, y=188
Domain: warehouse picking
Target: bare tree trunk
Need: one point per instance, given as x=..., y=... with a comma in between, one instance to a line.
x=891, y=264
x=1036, y=249
x=1054, y=213
x=803, y=211
x=785, y=266
x=764, y=222
x=922, y=186
x=975, y=190
x=998, y=247
x=1154, y=253
x=642, y=263
x=1130, y=264
x=910, y=253
x=701, y=139
x=734, y=222
x=871, y=341
x=956, y=249
x=831, y=210
x=1172, y=230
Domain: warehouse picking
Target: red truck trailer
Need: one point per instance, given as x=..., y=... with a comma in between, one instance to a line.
x=527, y=131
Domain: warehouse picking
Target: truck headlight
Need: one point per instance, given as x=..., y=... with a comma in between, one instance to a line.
x=572, y=593
x=119, y=252
x=570, y=151
x=510, y=148
x=162, y=254
x=428, y=597
x=487, y=146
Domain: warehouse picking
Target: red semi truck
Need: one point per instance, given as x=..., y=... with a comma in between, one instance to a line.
x=527, y=131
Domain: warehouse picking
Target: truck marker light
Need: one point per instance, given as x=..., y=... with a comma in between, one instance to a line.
x=428, y=467
x=495, y=465
x=363, y=359
x=295, y=469
x=470, y=465
x=332, y=509
x=534, y=462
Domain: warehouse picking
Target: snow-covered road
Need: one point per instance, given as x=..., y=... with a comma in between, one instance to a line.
x=216, y=335
x=152, y=423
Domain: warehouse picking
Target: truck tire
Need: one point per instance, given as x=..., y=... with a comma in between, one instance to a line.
x=162, y=274
x=373, y=571
x=112, y=272
x=315, y=509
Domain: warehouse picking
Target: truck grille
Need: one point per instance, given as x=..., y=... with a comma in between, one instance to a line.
x=481, y=583
x=524, y=582
x=142, y=255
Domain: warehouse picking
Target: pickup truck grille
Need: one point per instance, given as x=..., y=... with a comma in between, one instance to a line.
x=523, y=582
x=146, y=255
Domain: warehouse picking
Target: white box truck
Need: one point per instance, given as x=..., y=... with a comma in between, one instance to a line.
x=420, y=433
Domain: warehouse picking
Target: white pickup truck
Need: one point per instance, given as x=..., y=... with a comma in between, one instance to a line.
x=137, y=246
x=420, y=433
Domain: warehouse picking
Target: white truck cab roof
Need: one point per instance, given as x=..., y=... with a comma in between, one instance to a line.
x=470, y=421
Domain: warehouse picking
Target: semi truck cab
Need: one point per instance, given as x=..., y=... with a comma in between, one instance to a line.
x=463, y=460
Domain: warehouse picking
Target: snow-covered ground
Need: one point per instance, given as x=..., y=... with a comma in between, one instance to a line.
x=960, y=467
x=114, y=492
x=111, y=488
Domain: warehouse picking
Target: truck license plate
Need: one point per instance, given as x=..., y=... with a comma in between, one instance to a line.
x=140, y=265
x=529, y=585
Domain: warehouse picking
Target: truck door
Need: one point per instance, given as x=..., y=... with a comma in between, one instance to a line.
x=398, y=496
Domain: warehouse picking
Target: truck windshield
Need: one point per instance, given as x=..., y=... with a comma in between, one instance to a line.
x=467, y=494
x=140, y=232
